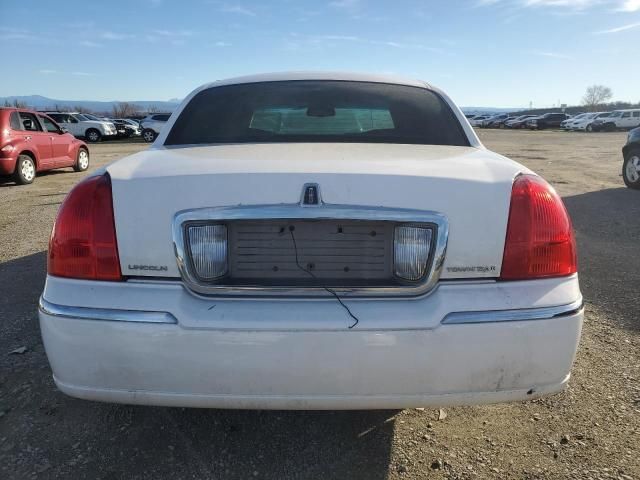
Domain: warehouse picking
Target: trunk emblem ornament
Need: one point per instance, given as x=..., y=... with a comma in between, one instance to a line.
x=311, y=195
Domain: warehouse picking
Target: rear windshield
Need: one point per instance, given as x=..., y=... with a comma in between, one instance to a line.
x=317, y=111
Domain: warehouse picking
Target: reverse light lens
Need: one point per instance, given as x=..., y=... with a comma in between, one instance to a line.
x=83, y=241
x=540, y=241
x=411, y=252
x=208, y=249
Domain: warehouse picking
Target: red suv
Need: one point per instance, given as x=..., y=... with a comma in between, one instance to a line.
x=32, y=142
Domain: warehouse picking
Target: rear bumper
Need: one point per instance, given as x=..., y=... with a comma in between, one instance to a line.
x=455, y=346
x=7, y=164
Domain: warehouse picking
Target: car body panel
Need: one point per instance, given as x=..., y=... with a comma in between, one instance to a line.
x=633, y=141
x=151, y=187
x=301, y=353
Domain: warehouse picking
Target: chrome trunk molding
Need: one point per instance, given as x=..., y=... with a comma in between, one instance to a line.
x=515, y=315
x=322, y=212
x=105, y=314
x=453, y=318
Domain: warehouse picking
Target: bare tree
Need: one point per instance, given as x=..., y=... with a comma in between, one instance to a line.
x=153, y=109
x=124, y=109
x=16, y=103
x=81, y=109
x=596, y=95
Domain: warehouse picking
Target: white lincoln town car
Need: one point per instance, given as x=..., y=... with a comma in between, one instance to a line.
x=312, y=241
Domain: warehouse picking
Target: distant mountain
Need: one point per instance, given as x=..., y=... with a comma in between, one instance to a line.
x=44, y=103
x=39, y=102
x=489, y=110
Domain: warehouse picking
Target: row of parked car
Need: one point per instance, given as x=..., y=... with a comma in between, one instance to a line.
x=32, y=142
x=94, y=129
x=587, y=122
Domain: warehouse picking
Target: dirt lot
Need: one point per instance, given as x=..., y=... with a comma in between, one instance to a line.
x=590, y=431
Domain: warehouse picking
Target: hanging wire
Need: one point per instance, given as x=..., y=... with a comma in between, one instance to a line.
x=332, y=292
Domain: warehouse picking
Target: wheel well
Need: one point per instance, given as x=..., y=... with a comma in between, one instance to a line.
x=30, y=154
x=92, y=128
x=627, y=149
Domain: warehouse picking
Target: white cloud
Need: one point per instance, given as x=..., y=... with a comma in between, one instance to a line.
x=339, y=38
x=46, y=71
x=619, y=29
x=349, y=4
x=568, y=5
x=172, y=37
x=552, y=55
x=222, y=44
x=574, y=4
x=172, y=33
x=89, y=43
x=630, y=6
x=332, y=39
x=238, y=9
x=7, y=33
x=116, y=36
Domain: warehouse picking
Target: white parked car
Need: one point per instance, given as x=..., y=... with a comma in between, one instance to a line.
x=585, y=121
x=312, y=241
x=566, y=124
x=84, y=125
x=477, y=120
x=618, y=119
x=152, y=125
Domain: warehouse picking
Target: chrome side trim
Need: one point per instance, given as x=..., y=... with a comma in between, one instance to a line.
x=106, y=314
x=323, y=212
x=517, y=315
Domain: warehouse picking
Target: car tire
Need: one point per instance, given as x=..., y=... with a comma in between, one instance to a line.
x=92, y=135
x=589, y=128
x=148, y=135
x=82, y=160
x=631, y=169
x=25, y=172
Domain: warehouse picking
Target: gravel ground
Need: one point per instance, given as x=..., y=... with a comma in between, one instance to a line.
x=592, y=430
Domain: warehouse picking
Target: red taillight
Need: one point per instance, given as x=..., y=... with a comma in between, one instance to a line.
x=540, y=241
x=83, y=241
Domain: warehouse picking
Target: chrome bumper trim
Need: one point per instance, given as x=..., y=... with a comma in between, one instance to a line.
x=107, y=314
x=517, y=315
x=435, y=220
x=454, y=318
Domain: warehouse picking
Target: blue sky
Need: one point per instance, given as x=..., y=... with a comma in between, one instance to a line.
x=482, y=52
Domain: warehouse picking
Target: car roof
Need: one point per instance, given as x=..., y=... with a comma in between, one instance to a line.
x=340, y=76
x=19, y=109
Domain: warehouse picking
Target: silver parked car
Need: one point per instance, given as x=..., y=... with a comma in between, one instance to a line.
x=152, y=125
